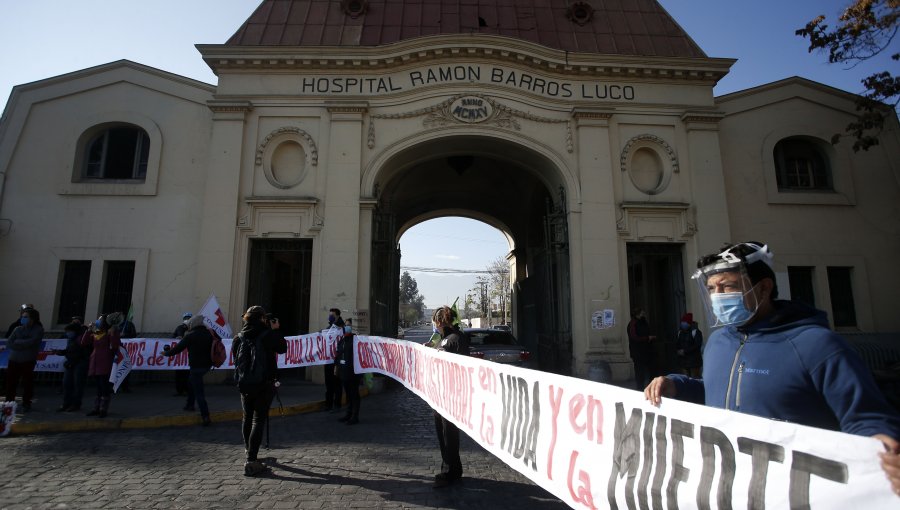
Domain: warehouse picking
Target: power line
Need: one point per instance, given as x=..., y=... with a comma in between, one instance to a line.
x=442, y=270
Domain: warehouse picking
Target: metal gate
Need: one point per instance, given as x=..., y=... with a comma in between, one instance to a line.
x=384, y=290
x=554, y=327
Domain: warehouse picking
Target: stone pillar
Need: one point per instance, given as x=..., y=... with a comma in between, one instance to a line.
x=341, y=235
x=364, y=278
x=594, y=246
x=707, y=195
x=218, y=224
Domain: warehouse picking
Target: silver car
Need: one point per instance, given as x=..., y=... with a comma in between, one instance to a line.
x=498, y=346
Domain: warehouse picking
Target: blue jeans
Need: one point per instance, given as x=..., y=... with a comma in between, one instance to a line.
x=74, y=380
x=196, y=391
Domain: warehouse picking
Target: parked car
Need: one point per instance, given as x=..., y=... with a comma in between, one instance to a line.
x=498, y=346
x=502, y=327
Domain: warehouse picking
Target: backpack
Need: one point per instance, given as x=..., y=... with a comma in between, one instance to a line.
x=250, y=364
x=217, y=353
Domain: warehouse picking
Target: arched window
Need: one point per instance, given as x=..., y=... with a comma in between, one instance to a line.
x=801, y=164
x=119, y=152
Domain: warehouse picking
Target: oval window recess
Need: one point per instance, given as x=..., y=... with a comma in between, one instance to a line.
x=646, y=170
x=288, y=164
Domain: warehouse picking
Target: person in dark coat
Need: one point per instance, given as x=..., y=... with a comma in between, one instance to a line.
x=105, y=343
x=76, y=367
x=332, y=380
x=455, y=341
x=182, y=377
x=256, y=400
x=198, y=342
x=639, y=345
x=349, y=378
x=23, y=344
x=689, y=346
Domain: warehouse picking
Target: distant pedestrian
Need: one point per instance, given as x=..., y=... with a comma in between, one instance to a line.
x=105, y=343
x=198, y=342
x=182, y=377
x=75, y=368
x=639, y=344
x=348, y=376
x=689, y=346
x=23, y=344
x=255, y=351
x=332, y=381
x=455, y=341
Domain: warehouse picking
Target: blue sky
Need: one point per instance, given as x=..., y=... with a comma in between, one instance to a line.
x=42, y=39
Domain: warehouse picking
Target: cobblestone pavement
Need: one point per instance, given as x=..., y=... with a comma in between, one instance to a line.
x=388, y=460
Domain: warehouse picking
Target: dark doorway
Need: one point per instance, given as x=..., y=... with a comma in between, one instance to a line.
x=656, y=284
x=279, y=281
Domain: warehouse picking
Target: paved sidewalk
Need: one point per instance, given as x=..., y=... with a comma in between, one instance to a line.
x=152, y=405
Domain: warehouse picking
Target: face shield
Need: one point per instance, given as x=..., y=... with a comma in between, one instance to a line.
x=726, y=290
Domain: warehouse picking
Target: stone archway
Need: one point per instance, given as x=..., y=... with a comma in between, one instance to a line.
x=502, y=183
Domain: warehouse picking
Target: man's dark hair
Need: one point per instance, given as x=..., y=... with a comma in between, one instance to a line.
x=335, y=311
x=73, y=326
x=756, y=271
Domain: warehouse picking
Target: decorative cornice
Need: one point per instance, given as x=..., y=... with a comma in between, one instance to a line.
x=466, y=47
x=347, y=109
x=502, y=116
x=221, y=106
x=709, y=117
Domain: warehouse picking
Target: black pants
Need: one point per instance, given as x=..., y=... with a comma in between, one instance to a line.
x=351, y=388
x=256, y=413
x=644, y=371
x=182, y=382
x=332, y=388
x=23, y=370
x=448, y=439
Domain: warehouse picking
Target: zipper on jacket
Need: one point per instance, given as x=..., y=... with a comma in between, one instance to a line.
x=731, y=374
x=737, y=397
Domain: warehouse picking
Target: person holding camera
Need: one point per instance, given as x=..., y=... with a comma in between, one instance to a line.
x=76, y=367
x=255, y=351
x=198, y=342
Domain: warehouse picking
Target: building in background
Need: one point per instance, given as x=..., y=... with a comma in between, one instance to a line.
x=589, y=135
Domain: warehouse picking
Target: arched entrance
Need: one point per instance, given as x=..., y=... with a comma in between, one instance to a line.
x=501, y=183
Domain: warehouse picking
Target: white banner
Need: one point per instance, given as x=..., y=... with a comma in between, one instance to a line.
x=596, y=446
x=147, y=353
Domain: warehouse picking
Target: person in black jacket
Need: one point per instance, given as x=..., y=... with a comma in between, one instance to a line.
x=76, y=367
x=182, y=382
x=198, y=342
x=349, y=378
x=455, y=341
x=257, y=397
x=332, y=380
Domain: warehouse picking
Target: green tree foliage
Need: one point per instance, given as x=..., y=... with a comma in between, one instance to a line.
x=412, y=304
x=865, y=29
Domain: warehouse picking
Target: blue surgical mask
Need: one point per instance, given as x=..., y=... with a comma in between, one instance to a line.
x=98, y=323
x=348, y=329
x=23, y=321
x=685, y=325
x=729, y=308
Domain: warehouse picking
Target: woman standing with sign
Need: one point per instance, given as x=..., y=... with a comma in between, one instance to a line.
x=455, y=341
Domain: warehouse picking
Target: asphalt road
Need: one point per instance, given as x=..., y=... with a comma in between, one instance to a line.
x=388, y=460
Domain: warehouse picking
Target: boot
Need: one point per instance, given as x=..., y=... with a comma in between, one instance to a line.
x=354, y=415
x=104, y=407
x=96, y=410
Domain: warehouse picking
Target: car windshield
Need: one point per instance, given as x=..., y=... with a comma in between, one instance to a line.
x=495, y=337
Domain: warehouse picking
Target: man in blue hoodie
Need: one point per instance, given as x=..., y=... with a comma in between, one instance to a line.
x=778, y=359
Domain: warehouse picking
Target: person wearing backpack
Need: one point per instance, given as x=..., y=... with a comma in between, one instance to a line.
x=198, y=341
x=254, y=351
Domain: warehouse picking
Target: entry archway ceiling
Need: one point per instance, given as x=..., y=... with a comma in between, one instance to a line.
x=486, y=177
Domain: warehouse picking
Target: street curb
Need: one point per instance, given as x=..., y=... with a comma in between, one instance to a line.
x=84, y=425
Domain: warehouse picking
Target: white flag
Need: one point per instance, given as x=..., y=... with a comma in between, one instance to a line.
x=214, y=318
x=121, y=367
